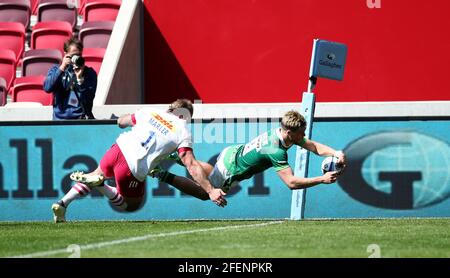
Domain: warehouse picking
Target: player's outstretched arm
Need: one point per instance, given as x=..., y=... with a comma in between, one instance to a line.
x=318, y=148
x=293, y=182
x=125, y=121
x=198, y=174
x=324, y=150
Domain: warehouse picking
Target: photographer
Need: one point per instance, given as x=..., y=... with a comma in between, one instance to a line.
x=72, y=83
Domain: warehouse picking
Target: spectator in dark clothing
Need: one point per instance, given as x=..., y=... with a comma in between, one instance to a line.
x=72, y=83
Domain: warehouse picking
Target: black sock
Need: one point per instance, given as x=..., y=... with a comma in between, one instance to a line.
x=167, y=177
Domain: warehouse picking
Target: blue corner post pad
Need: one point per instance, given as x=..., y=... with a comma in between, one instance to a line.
x=329, y=60
x=302, y=157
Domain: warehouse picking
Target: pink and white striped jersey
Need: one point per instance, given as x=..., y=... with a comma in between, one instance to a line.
x=155, y=134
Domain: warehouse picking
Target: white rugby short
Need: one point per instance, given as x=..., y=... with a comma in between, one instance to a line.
x=220, y=174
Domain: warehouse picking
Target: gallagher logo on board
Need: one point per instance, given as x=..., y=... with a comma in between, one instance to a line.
x=397, y=170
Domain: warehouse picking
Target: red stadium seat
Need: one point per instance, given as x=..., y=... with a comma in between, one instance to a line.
x=15, y=11
x=12, y=37
x=34, y=4
x=3, y=91
x=95, y=34
x=101, y=10
x=82, y=3
x=51, y=34
x=30, y=89
x=94, y=57
x=57, y=10
x=7, y=66
x=39, y=61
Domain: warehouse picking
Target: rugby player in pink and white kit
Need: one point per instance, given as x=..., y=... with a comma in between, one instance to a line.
x=154, y=135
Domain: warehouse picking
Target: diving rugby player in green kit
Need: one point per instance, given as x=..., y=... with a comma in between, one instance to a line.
x=240, y=162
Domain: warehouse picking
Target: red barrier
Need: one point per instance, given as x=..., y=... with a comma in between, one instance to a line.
x=259, y=51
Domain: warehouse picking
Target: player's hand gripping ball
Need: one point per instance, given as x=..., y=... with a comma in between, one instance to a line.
x=329, y=164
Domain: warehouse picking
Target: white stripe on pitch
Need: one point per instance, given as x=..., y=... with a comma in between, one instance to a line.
x=139, y=238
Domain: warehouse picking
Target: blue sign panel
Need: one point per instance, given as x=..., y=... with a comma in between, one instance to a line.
x=36, y=161
x=329, y=60
x=395, y=169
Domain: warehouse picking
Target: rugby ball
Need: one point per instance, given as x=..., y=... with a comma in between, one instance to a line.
x=329, y=165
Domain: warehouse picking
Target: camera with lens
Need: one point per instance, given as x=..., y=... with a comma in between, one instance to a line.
x=77, y=61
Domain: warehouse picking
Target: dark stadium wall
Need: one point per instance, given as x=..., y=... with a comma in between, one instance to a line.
x=226, y=51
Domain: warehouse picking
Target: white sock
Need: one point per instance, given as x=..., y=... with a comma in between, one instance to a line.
x=113, y=195
x=108, y=191
x=78, y=190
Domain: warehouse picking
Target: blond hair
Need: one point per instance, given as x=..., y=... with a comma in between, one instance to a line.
x=292, y=120
x=181, y=106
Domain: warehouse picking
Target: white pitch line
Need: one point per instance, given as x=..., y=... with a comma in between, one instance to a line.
x=140, y=238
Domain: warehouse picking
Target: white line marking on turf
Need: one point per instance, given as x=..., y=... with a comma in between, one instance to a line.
x=139, y=238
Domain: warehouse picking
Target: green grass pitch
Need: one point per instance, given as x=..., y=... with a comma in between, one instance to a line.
x=229, y=239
